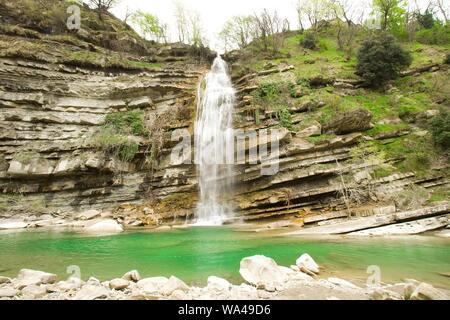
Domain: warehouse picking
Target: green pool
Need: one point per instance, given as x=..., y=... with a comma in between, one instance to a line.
x=195, y=253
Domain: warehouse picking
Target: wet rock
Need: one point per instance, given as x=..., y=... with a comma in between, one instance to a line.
x=132, y=275
x=105, y=226
x=8, y=292
x=307, y=264
x=173, y=284
x=425, y=291
x=262, y=272
x=91, y=292
x=119, y=284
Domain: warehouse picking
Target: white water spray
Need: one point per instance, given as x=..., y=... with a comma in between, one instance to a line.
x=214, y=143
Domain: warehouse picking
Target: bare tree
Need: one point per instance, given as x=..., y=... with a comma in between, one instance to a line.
x=314, y=11
x=181, y=20
x=442, y=8
x=346, y=12
x=238, y=31
x=103, y=5
x=269, y=30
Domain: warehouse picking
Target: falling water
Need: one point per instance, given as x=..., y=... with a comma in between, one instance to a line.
x=214, y=144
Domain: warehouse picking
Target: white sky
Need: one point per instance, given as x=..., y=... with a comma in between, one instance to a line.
x=214, y=13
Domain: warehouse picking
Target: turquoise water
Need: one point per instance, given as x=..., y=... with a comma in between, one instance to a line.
x=195, y=253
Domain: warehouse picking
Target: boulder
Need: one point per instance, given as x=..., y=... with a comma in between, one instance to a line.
x=33, y=291
x=132, y=275
x=307, y=264
x=219, y=284
x=425, y=291
x=262, y=272
x=313, y=129
x=73, y=283
x=173, y=284
x=105, y=226
x=12, y=224
x=152, y=285
x=119, y=284
x=349, y=121
x=91, y=292
x=28, y=277
x=8, y=292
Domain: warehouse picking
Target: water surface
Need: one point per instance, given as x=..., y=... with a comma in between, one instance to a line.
x=195, y=253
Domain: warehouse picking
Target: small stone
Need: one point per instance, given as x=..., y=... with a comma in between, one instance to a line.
x=4, y=280
x=8, y=292
x=173, y=284
x=132, y=275
x=119, y=284
x=219, y=284
x=91, y=292
x=425, y=291
x=34, y=291
x=178, y=295
x=152, y=285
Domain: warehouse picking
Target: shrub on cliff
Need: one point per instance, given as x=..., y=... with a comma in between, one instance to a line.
x=381, y=59
x=440, y=129
x=309, y=41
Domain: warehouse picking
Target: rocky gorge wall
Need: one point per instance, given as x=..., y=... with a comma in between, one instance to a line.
x=56, y=95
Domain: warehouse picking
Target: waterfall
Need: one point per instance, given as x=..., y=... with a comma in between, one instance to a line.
x=214, y=144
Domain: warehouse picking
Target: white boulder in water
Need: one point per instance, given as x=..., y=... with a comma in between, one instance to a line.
x=263, y=272
x=105, y=226
x=307, y=264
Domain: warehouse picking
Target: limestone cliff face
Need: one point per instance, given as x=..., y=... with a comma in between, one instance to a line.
x=55, y=93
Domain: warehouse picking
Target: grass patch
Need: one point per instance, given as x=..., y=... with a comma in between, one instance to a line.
x=118, y=136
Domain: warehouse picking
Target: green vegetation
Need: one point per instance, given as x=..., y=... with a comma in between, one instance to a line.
x=119, y=135
x=381, y=59
x=309, y=41
x=440, y=128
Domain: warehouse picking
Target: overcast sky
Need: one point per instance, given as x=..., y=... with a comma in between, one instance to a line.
x=214, y=13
